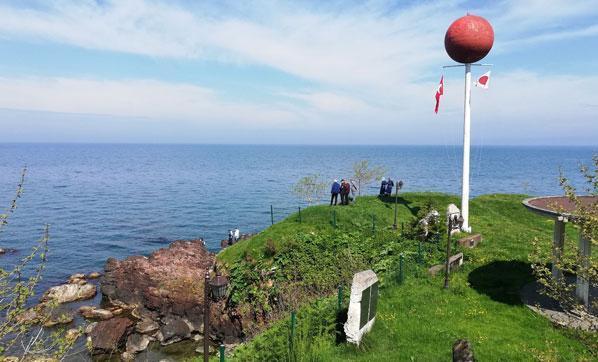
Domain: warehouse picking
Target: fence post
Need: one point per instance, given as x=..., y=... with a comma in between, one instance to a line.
x=221, y=353
x=299, y=214
x=401, y=276
x=402, y=227
x=340, y=297
x=272, y=214
x=292, y=337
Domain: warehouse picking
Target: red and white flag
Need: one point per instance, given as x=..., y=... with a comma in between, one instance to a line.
x=439, y=92
x=483, y=80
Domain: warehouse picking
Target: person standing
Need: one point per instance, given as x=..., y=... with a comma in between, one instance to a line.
x=336, y=189
x=345, y=189
x=389, y=185
x=383, y=187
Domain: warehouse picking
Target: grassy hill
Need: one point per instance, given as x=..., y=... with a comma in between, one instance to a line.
x=298, y=265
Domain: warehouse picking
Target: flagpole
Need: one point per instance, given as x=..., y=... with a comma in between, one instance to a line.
x=466, y=149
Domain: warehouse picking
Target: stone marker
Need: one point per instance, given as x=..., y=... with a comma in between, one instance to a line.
x=451, y=211
x=470, y=241
x=455, y=261
x=362, y=305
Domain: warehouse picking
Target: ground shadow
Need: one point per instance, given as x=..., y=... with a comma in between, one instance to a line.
x=502, y=280
x=390, y=199
x=341, y=318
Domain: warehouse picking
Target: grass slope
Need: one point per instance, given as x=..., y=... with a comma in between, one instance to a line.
x=418, y=319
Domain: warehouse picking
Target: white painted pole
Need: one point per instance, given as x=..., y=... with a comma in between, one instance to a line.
x=466, y=146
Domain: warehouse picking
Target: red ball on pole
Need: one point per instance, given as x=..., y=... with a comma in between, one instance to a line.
x=469, y=39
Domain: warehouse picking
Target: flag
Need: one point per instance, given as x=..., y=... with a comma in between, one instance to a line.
x=439, y=92
x=483, y=80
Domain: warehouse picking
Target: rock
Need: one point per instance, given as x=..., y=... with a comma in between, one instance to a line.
x=30, y=316
x=127, y=356
x=95, y=313
x=147, y=326
x=72, y=334
x=94, y=275
x=81, y=282
x=69, y=293
x=470, y=241
x=90, y=327
x=52, y=320
x=462, y=351
x=109, y=336
x=137, y=343
x=436, y=269
x=116, y=311
x=174, y=330
x=76, y=277
x=2, y=251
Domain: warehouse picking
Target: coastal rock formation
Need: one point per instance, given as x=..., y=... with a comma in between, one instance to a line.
x=163, y=294
x=109, y=336
x=69, y=293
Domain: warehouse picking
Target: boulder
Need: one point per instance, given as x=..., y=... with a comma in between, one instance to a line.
x=174, y=330
x=55, y=319
x=95, y=313
x=90, y=327
x=72, y=334
x=94, y=275
x=147, y=326
x=137, y=343
x=109, y=336
x=69, y=293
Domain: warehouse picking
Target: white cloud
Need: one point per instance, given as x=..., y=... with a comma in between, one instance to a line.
x=369, y=63
x=136, y=98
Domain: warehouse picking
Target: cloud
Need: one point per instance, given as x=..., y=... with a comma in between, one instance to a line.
x=368, y=63
x=136, y=98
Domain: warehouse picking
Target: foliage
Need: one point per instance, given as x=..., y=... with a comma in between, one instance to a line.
x=416, y=320
x=364, y=173
x=585, y=218
x=310, y=188
x=17, y=288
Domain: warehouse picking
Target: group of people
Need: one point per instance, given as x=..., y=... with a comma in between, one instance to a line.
x=233, y=236
x=344, y=188
x=386, y=187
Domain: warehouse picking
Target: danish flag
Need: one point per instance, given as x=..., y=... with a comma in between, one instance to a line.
x=483, y=80
x=439, y=92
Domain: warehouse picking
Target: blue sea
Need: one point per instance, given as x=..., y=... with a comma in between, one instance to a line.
x=114, y=200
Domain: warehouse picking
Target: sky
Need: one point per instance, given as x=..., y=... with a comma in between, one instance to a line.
x=296, y=72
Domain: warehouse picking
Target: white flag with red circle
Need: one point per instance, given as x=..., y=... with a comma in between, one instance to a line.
x=483, y=80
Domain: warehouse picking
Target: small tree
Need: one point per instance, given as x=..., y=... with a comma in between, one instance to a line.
x=586, y=219
x=17, y=323
x=310, y=188
x=365, y=174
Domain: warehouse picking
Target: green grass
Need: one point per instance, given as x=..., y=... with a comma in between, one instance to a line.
x=418, y=319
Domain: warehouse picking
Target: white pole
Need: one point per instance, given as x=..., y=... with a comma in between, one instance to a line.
x=466, y=145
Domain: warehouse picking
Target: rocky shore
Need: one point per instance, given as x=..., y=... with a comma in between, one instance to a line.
x=155, y=299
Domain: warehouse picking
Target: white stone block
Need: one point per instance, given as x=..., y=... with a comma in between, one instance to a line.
x=362, y=305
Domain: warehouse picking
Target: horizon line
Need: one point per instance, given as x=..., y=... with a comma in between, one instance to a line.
x=289, y=144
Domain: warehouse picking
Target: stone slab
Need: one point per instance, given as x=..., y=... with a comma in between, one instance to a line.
x=470, y=241
x=362, y=306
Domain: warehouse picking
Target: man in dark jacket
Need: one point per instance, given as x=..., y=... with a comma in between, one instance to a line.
x=383, y=187
x=389, y=185
x=336, y=189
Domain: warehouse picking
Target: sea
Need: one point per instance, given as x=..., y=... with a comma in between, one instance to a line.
x=118, y=200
